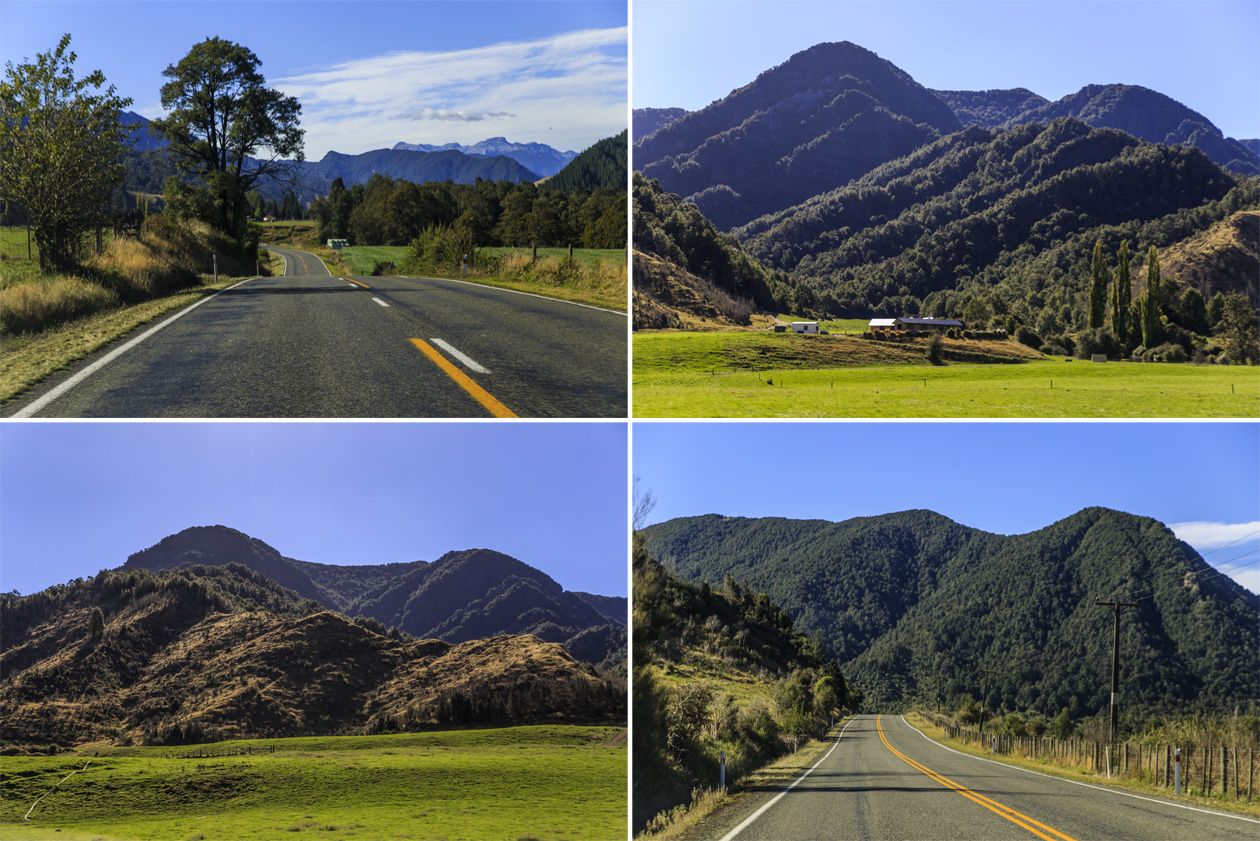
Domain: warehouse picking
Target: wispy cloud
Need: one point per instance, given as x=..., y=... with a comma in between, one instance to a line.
x=1204, y=535
x=567, y=90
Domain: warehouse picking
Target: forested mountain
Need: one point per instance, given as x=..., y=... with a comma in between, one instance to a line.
x=604, y=166
x=990, y=109
x=463, y=595
x=1147, y=115
x=913, y=604
x=649, y=120
x=827, y=115
x=996, y=217
x=537, y=157
x=206, y=653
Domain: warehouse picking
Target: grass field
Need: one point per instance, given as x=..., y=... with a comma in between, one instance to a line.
x=525, y=782
x=735, y=375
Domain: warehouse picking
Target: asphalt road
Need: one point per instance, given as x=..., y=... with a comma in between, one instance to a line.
x=899, y=784
x=312, y=345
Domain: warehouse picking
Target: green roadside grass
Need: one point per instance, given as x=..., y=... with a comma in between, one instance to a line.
x=26, y=360
x=540, y=782
x=749, y=375
x=602, y=280
x=1068, y=772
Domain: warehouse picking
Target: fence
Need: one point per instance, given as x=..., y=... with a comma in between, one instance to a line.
x=211, y=753
x=1207, y=770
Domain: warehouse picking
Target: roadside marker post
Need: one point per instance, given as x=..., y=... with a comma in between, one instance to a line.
x=1177, y=769
x=215, y=257
x=722, y=777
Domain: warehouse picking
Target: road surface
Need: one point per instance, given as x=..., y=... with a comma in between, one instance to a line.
x=885, y=780
x=309, y=344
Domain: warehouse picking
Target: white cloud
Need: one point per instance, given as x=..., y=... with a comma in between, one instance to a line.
x=567, y=90
x=1203, y=535
x=1238, y=561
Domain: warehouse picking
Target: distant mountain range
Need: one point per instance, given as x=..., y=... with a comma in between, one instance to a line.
x=913, y=604
x=538, y=157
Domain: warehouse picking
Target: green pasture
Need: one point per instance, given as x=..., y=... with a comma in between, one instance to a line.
x=363, y=258
x=15, y=266
x=833, y=325
x=524, y=782
x=695, y=377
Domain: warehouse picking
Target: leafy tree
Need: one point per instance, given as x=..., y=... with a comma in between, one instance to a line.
x=1121, y=296
x=61, y=148
x=1238, y=325
x=1098, y=288
x=221, y=116
x=1194, y=312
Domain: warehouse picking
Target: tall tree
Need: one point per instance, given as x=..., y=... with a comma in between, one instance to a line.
x=1098, y=288
x=62, y=143
x=1121, y=297
x=1152, y=327
x=226, y=127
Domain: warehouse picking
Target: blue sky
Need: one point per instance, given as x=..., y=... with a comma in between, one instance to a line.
x=1203, y=54
x=369, y=74
x=1200, y=479
x=76, y=498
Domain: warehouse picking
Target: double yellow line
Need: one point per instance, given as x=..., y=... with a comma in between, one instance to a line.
x=1007, y=812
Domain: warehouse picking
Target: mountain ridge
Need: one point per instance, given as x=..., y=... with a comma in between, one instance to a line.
x=910, y=601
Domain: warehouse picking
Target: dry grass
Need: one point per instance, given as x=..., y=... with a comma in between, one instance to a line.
x=31, y=307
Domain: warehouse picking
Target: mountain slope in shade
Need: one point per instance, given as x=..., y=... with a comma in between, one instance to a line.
x=183, y=657
x=825, y=116
x=648, y=120
x=537, y=157
x=1147, y=115
x=914, y=604
x=462, y=596
x=990, y=109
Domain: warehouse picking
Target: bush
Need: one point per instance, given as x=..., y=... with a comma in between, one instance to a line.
x=1027, y=336
x=936, y=349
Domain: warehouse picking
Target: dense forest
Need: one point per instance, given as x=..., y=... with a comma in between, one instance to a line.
x=603, y=166
x=915, y=606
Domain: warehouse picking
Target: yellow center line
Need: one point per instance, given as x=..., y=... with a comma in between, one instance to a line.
x=475, y=391
x=356, y=283
x=992, y=805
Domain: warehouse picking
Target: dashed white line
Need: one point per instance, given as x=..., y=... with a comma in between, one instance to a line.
x=382, y=303
x=462, y=357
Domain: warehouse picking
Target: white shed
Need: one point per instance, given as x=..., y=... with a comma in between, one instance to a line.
x=804, y=326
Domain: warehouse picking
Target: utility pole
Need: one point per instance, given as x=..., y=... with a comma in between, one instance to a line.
x=1115, y=661
x=984, y=689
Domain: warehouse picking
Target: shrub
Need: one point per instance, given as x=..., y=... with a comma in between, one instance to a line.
x=936, y=349
x=31, y=307
x=1027, y=336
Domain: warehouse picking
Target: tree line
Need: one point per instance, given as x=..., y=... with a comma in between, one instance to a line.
x=386, y=211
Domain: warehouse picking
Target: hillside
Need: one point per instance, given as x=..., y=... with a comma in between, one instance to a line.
x=1007, y=218
x=462, y=596
x=990, y=109
x=914, y=603
x=1147, y=115
x=603, y=166
x=416, y=167
x=209, y=653
x=1224, y=258
x=648, y=120
x=827, y=115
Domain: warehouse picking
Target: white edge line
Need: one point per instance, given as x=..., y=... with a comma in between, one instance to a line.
x=462, y=357
x=42, y=402
x=382, y=303
x=515, y=292
x=1079, y=783
x=748, y=820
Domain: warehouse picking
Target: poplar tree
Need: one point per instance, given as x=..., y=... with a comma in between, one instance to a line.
x=1152, y=329
x=1121, y=297
x=1098, y=289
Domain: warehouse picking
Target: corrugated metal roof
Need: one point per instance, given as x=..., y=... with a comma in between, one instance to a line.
x=883, y=322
